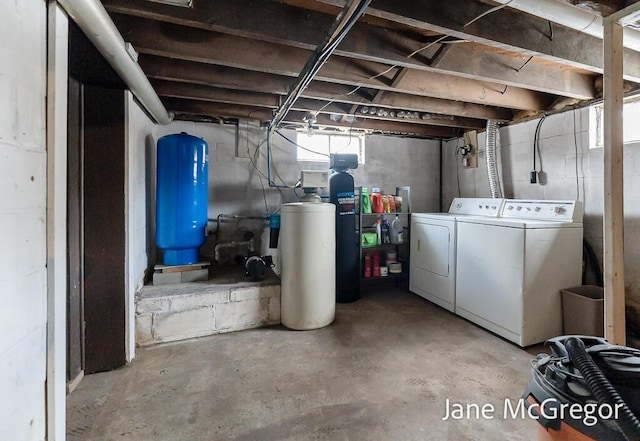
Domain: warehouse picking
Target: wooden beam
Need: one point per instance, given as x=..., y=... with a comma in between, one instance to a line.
x=169, y=40
x=613, y=213
x=437, y=58
x=305, y=105
x=233, y=78
x=471, y=60
x=504, y=29
x=399, y=76
x=296, y=27
x=200, y=108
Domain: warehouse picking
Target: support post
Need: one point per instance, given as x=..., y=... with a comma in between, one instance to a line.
x=613, y=220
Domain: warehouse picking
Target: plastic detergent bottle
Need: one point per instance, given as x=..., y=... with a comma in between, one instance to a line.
x=396, y=231
x=366, y=203
x=376, y=201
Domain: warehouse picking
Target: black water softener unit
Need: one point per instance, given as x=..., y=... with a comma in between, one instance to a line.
x=341, y=194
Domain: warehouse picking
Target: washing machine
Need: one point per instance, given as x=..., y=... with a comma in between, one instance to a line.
x=432, y=271
x=510, y=269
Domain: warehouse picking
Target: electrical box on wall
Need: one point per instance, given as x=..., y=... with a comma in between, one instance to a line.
x=469, y=152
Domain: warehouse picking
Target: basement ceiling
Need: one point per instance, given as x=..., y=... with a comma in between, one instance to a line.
x=411, y=67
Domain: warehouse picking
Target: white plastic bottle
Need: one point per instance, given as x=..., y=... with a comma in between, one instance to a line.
x=396, y=231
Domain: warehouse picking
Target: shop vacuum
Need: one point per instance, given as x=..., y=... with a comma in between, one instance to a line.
x=600, y=381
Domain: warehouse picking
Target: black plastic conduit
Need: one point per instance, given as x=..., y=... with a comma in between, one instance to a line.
x=601, y=388
x=344, y=22
x=349, y=15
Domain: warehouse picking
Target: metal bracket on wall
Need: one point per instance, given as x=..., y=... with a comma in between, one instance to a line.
x=470, y=156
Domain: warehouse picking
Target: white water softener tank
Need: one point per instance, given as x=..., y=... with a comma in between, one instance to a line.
x=308, y=282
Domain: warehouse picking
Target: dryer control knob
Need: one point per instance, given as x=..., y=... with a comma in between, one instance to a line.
x=560, y=210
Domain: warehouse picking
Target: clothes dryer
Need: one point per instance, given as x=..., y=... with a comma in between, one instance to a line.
x=432, y=272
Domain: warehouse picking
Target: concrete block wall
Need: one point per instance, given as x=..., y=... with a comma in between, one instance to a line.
x=188, y=310
x=572, y=170
x=235, y=186
x=23, y=180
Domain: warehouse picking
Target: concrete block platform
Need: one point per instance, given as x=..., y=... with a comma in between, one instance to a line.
x=225, y=303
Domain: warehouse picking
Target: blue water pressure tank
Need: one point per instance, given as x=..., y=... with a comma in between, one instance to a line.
x=181, y=197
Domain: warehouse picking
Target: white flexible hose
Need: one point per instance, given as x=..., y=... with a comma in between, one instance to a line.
x=492, y=160
x=572, y=17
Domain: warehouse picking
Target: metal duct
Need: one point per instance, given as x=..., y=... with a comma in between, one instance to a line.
x=492, y=159
x=571, y=17
x=94, y=21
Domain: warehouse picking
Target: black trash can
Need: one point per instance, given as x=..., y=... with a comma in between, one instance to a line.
x=556, y=384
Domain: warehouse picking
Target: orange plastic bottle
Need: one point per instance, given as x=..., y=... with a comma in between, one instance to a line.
x=376, y=201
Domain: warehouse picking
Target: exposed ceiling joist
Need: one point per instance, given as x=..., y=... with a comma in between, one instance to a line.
x=232, y=78
x=425, y=60
x=287, y=25
x=168, y=40
x=263, y=100
x=505, y=28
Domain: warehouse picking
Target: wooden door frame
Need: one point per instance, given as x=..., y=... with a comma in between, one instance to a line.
x=56, y=220
x=75, y=234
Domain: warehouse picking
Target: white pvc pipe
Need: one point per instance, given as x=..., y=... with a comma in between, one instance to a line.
x=571, y=17
x=94, y=21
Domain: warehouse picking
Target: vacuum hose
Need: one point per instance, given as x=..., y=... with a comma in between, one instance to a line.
x=492, y=160
x=601, y=388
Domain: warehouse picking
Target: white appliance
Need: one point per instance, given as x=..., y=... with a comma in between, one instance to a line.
x=432, y=272
x=308, y=250
x=510, y=269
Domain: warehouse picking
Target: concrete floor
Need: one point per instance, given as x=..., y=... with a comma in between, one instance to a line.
x=381, y=371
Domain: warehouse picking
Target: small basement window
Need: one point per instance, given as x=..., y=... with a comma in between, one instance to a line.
x=317, y=146
x=630, y=114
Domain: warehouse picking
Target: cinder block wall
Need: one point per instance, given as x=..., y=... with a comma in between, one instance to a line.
x=235, y=186
x=558, y=149
x=23, y=276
